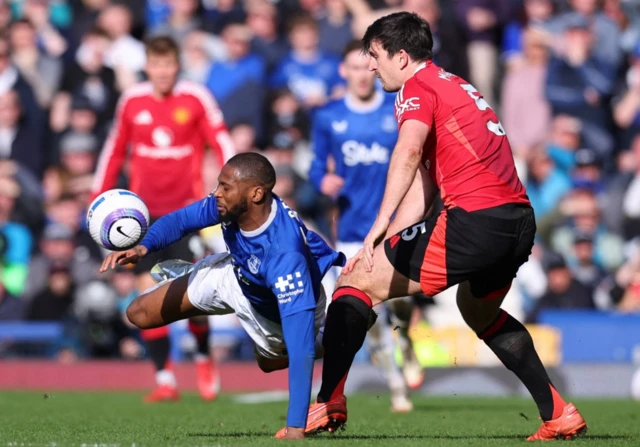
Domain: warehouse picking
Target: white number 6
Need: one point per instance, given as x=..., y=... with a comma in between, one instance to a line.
x=496, y=128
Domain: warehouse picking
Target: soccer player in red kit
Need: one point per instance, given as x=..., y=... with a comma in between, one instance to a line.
x=165, y=124
x=449, y=140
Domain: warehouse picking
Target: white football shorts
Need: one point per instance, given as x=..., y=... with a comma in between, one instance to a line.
x=214, y=289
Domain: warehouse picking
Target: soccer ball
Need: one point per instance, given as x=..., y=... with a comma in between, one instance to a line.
x=118, y=219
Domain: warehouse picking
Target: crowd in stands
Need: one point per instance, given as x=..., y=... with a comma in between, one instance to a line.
x=563, y=75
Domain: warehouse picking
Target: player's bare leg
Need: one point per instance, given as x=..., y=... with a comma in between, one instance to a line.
x=381, y=345
x=401, y=315
x=158, y=346
x=513, y=345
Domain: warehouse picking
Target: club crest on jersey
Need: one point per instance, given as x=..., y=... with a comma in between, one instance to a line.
x=339, y=126
x=389, y=123
x=254, y=264
x=405, y=105
x=181, y=115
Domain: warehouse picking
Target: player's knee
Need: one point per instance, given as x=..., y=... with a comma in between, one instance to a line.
x=137, y=316
x=357, y=280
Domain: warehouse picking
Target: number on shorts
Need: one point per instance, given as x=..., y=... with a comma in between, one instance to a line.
x=412, y=232
x=483, y=105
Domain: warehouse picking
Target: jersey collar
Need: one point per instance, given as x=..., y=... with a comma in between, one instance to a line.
x=258, y=231
x=420, y=67
x=374, y=105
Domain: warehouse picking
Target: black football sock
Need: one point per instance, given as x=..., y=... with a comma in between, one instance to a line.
x=200, y=330
x=513, y=345
x=159, y=352
x=345, y=329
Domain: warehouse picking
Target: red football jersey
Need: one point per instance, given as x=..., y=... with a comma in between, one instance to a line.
x=467, y=152
x=166, y=141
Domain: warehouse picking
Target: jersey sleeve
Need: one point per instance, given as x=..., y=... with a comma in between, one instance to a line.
x=114, y=151
x=413, y=102
x=320, y=141
x=289, y=278
x=174, y=226
x=213, y=127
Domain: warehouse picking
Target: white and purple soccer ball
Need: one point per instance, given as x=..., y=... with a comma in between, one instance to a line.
x=118, y=219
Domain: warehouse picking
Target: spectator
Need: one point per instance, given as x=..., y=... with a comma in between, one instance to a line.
x=45, y=16
x=311, y=75
x=626, y=111
x=546, y=184
x=526, y=114
x=219, y=14
x=564, y=291
x=288, y=123
x=587, y=172
x=581, y=212
x=583, y=267
x=262, y=19
x=11, y=307
x=54, y=303
x=628, y=24
x=238, y=83
x=41, y=71
x=564, y=140
x=481, y=21
x=16, y=240
x=125, y=55
x=533, y=15
x=11, y=79
x=335, y=28
x=87, y=77
x=579, y=85
x=243, y=136
x=606, y=34
x=181, y=21
x=17, y=141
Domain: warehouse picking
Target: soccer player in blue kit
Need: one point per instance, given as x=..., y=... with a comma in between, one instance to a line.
x=359, y=132
x=271, y=276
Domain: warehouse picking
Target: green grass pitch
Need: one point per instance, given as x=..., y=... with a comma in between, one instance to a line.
x=122, y=420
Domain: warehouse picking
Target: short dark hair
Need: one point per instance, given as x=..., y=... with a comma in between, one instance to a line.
x=401, y=31
x=256, y=167
x=354, y=45
x=162, y=46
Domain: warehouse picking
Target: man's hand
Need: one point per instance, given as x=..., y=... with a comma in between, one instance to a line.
x=290, y=433
x=131, y=256
x=331, y=185
x=375, y=236
x=351, y=262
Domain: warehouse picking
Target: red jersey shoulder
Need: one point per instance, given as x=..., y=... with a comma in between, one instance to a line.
x=200, y=97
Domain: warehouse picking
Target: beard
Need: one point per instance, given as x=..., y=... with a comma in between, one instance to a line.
x=233, y=214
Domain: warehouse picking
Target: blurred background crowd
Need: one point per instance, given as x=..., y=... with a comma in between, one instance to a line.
x=563, y=75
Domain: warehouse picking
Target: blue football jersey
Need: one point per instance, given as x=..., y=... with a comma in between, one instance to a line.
x=360, y=140
x=279, y=266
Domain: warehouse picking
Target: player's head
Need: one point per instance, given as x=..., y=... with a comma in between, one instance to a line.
x=397, y=43
x=246, y=181
x=163, y=63
x=355, y=69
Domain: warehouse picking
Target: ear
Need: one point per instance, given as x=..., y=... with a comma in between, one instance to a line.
x=258, y=194
x=403, y=59
x=342, y=70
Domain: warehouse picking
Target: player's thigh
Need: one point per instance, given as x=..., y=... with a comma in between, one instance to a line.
x=162, y=305
x=398, y=263
x=479, y=299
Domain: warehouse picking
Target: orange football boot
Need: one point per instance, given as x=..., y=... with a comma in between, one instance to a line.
x=567, y=426
x=208, y=380
x=327, y=416
x=163, y=393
